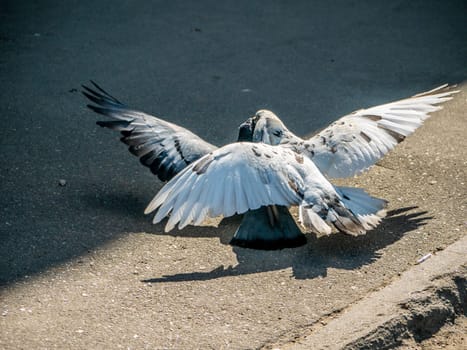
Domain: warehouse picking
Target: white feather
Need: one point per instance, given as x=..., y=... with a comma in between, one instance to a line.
x=195, y=195
x=357, y=141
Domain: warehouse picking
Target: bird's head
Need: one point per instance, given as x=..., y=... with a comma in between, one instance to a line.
x=264, y=127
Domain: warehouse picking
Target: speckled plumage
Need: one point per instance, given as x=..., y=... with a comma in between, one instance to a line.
x=275, y=168
x=355, y=142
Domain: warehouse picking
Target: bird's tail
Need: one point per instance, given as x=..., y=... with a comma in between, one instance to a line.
x=369, y=210
x=268, y=228
x=355, y=213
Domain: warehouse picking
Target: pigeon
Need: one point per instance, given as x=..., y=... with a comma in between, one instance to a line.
x=269, y=169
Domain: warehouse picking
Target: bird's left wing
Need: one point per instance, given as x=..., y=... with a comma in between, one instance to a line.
x=233, y=179
x=357, y=141
x=164, y=147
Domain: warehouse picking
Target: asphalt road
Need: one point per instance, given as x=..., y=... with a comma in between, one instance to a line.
x=206, y=66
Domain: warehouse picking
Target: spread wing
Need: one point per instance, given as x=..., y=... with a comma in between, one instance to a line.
x=357, y=141
x=164, y=147
x=236, y=178
x=245, y=176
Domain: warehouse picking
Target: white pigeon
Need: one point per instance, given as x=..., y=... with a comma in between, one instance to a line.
x=269, y=170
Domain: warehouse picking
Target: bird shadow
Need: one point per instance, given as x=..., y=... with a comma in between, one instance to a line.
x=320, y=253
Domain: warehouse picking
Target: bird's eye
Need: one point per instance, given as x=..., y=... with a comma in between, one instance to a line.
x=277, y=133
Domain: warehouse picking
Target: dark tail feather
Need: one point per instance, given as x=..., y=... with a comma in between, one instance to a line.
x=354, y=213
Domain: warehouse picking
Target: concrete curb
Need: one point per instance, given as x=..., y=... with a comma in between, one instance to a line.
x=415, y=306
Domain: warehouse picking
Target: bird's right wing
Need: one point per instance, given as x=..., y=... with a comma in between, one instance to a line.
x=357, y=141
x=164, y=147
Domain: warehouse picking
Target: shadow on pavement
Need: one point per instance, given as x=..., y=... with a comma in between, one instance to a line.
x=312, y=260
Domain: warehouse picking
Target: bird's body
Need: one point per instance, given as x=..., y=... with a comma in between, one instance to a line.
x=246, y=176
x=269, y=170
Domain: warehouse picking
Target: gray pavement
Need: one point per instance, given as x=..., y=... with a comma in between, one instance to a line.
x=206, y=66
x=414, y=306
x=82, y=267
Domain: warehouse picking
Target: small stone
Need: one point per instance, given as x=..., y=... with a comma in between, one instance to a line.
x=433, y=182
x=62, y=182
